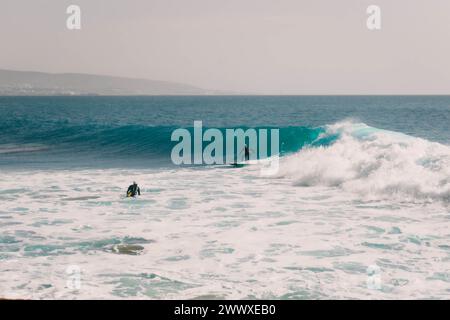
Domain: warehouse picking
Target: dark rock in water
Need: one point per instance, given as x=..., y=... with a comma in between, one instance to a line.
x=126, y=245
x=131, y=249
x=45, y=286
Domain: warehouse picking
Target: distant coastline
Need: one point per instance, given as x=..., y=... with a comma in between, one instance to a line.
x=26, y=83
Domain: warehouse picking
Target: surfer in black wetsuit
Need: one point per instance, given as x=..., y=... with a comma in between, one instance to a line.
x=246, y=151
x=133, y=190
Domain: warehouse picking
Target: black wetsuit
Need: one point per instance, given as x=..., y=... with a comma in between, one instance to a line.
x=133, y=190
x=247, y=153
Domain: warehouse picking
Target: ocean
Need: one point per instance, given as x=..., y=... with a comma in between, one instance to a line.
x=359, y=208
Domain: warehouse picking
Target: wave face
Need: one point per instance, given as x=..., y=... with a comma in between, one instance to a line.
x=130, y=132
x=128, y=142
x=374, y=163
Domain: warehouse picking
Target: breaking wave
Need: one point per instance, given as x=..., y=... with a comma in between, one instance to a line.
x=374, y=163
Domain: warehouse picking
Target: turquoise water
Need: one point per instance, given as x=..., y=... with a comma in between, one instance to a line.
x=358, y=208
x=135, y=131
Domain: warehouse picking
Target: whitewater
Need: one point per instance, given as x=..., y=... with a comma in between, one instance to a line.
x=354, y=212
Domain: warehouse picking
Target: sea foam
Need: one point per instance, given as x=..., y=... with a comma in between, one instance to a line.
x=374, y=163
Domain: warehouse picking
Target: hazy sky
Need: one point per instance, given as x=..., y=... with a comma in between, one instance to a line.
x=256, y=46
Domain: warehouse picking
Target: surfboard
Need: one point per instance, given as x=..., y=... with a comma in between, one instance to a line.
x=238, y=165
x=244, y=163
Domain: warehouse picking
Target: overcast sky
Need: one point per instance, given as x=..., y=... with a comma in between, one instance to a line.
x=255, y=46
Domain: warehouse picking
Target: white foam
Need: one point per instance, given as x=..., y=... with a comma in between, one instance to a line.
x=375, y=164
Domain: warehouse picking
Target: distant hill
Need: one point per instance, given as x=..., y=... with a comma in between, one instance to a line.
x=39, y=83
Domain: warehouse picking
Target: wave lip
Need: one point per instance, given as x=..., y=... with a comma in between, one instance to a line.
x=374, y=163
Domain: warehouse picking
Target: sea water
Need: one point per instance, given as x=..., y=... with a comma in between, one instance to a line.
x=359, y=208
